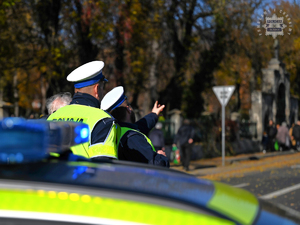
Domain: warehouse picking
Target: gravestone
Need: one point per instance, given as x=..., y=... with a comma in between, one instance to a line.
x=176, y=119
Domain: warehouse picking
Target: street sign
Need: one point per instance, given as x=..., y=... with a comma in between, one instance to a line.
x=223, y=93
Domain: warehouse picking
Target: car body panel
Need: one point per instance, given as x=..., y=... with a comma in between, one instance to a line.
x=235, y=202
x=213, y=199
x=66, y=206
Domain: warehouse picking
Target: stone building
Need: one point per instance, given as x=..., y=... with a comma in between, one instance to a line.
x=4, y=109
x=274, y=101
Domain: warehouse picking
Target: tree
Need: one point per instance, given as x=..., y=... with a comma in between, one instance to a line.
x=181, y=18
x=201, y=32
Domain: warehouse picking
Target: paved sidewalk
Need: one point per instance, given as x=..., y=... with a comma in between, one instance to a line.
x=239, y=165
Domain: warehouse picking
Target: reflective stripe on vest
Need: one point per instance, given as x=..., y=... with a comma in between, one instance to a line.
x=122, y=130
x=90, y=116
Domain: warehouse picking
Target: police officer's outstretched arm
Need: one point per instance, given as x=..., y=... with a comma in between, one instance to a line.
x=117, y=98
x=147, y=123
x=157, y=108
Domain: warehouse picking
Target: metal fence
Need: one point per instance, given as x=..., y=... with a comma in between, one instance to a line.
x=206, y=127
x=248, y=129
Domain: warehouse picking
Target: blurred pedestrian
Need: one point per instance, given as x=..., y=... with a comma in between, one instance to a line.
x=157, y=137
x=184, y=141
x=265, y=141
x=283, y=137
x=89, y=82
x=296, y=134
x=271, y=133
x=57, y=101
x=293, y=141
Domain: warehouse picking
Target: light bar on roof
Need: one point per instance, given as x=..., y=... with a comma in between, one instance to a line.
x=31, y=140
x=22, y=141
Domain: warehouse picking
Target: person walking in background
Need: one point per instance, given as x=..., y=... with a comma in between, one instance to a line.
x=283, y=136
x=184, y=141
x=157, y=137
x=264, y=141
x=271, y=133
x=293, y=141
x=296, y=135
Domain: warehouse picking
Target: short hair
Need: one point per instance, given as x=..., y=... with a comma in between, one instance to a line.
x=119, y=113
x=63, y=99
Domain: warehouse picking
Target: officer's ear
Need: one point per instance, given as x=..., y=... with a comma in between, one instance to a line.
x=128, y=109
x=96, y=90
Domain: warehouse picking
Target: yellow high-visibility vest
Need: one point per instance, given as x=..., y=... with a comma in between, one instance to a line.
x=122, y=130
x=90, y=116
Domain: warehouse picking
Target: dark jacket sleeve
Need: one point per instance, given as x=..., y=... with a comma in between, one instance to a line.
x=192, y=134
x=296, y=132
x=101, y=130
x=141, y=151
x=146, y=124
x=184, y=133
x=272, y=131
x=162, y=139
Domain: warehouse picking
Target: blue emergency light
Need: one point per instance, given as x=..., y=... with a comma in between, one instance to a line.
x=24, y=140
x=21, y=140
x=82, y=134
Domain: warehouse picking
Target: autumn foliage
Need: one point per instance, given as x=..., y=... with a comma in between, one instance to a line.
x=167, y=50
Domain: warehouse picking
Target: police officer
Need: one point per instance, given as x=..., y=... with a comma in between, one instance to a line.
x=133, y=144
x=116, y=97
x=85, y=107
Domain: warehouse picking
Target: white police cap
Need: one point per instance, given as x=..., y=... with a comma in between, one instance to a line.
x=87, y=74
x=113, y=99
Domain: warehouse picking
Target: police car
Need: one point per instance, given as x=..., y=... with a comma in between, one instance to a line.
x=37, y=187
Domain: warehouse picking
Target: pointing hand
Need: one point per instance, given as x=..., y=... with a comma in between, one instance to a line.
x=157, y=108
